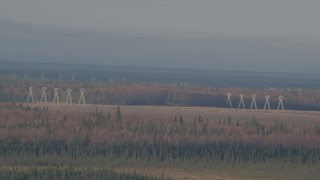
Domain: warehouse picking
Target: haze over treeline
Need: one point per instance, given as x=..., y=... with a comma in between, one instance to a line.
x=225, y=35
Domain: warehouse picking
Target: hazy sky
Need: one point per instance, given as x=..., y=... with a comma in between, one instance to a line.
x=258, y=35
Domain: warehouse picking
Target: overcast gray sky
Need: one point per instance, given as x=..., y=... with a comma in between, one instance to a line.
x=259, y=35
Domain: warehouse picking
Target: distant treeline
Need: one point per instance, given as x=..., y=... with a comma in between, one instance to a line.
x=108, y=74
x=160, y=94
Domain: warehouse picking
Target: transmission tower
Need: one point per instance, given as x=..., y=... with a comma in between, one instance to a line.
x=69, y=99
x=267, y=103
x=253, y=102
x=82, y=96
x=280, y=103
x=229, y=100
x=30, y=95
x=56, y=96
x=43, y=95
x=241, y=102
